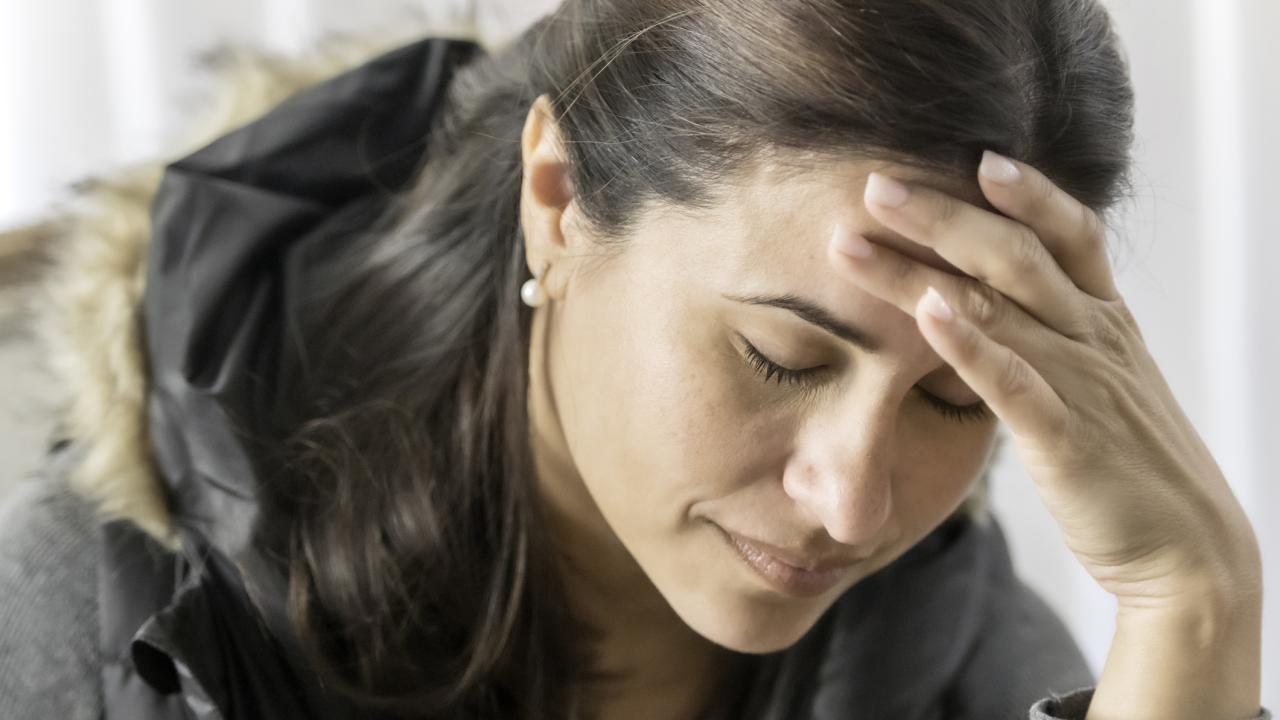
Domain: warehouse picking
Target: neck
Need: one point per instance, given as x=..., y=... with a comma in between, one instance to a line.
x=650, y=663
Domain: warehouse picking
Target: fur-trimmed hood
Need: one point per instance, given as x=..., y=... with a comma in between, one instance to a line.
x=156, y=271
x=164, y=312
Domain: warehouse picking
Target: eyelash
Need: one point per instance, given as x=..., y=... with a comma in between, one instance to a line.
x=770, y=369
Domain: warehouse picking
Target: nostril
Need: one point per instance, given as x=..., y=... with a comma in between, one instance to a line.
x=853, y=508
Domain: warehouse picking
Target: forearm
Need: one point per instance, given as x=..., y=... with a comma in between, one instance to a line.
x=1202, y=661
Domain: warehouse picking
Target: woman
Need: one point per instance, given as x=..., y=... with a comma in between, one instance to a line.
x=658, y=380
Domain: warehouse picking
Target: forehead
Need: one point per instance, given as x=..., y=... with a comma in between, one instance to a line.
x=769, y=235
x=804, y=204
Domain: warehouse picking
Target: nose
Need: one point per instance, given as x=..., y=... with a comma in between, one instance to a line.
x=841, y=474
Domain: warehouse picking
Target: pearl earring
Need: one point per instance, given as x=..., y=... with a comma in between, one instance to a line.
x=532, y=292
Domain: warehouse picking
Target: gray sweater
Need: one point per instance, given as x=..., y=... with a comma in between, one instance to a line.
x=50, y=662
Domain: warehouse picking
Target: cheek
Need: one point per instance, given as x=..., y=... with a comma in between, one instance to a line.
x=938, y=467
x=705, y=425
x=640, y=407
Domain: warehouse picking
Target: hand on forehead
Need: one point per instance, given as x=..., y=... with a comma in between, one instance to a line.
x=965, y=191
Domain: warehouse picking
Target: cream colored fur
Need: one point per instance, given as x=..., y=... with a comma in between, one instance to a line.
x=86, y=308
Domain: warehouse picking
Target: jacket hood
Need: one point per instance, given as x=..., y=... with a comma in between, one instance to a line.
x=168, y=298
x=165, y=313
x=170, y=282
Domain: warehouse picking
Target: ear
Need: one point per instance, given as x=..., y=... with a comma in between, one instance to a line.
x=546, y=195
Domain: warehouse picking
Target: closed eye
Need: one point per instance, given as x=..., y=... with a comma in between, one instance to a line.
x=770, y=370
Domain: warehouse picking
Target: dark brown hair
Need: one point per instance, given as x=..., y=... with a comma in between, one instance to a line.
x=421, y=579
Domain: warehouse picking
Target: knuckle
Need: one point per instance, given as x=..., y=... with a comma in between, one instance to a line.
x=1081, y=324
x=1043, y=190
x=982, y=305
x=901, y=269
x=1059, y=424
x=1094, y=231
x=1111, y=334
x=1121, y=310
x=945, y=211
x=1015, y=378
x=1028, y=253
x=969, y=347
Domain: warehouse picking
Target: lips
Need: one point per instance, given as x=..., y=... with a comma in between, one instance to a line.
x=801, y=581
x=800, y=561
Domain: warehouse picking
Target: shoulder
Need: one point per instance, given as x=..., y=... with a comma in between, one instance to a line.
x=49, y=553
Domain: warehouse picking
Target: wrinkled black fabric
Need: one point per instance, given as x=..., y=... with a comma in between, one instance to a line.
x=238, y=227
x=231, y=226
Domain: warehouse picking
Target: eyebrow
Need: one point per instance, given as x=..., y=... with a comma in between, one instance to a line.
x=814, y=314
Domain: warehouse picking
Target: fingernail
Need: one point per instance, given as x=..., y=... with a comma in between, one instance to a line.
x=998, y=168
x=935, y=305
x=851, y=243
x=885, y=191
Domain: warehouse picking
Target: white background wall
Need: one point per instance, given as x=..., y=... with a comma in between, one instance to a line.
x=1200, y=276
x=86, y=84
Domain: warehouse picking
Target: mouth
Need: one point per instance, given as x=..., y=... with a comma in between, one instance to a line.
x=783, y=576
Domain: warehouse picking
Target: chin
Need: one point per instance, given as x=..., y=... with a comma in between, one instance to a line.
x=748, y=624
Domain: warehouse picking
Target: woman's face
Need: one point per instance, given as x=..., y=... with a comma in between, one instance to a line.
x=661, y=437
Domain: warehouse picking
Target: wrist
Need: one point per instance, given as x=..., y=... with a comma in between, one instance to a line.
x=1199, y=657
x=1225, y=578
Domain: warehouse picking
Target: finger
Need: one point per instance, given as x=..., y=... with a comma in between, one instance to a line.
x=1010, y=386
x=1071, y=230
x=901, y=280
x=1000, y=252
